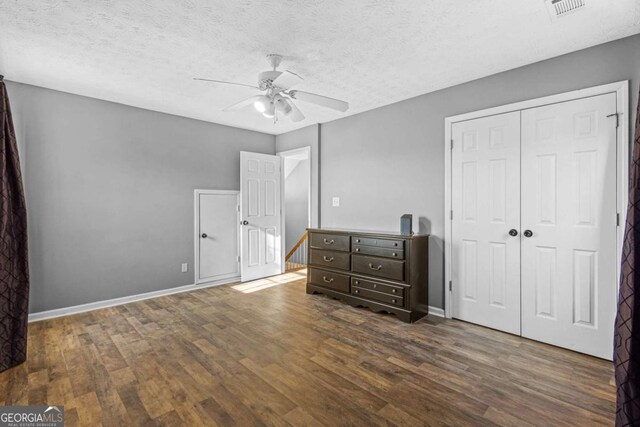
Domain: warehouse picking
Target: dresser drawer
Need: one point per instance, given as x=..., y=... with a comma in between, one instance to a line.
x=397, y=291
x=377, y=296
x=377, y=251
x=329, y=279
x=380, y=267
x=330, y=259
x=334, y=242
x=381, y=243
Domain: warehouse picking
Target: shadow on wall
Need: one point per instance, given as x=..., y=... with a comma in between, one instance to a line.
x=436, y=250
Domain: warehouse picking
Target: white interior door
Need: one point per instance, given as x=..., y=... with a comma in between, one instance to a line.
x=569, y=279
x=485, y=258
x=260, y=207
x=217, y=236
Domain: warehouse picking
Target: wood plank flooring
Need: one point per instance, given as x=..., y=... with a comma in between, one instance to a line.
x=266, y=353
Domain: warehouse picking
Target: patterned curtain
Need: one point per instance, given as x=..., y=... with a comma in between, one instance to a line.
x=14, y=268
x=627, y=335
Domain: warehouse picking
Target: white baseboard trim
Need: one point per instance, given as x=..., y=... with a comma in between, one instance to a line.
x=436, y=311
x=83, y=308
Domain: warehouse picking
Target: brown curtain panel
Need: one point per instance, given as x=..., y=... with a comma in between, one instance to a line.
x=14, y=268
x=627, y=335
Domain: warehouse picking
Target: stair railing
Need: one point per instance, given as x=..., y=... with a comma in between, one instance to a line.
x=297, y=256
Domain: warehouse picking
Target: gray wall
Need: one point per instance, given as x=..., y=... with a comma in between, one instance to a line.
x=390, y=161
x=296, y=202
x=306, y=137
x=110, y=192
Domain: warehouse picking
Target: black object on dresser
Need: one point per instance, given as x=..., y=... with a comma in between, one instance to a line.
x=383, y=271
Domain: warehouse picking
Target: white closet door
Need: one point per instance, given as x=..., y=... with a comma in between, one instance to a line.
x=217, y=236
x=569, y=205
x=486, y=206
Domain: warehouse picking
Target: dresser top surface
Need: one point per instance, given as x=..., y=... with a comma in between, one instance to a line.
x=368, y=232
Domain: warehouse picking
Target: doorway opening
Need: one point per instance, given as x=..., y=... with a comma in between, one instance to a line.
x=296, y=183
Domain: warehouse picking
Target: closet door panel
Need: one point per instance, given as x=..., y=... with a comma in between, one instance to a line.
x=486, y=206
x=569, y=205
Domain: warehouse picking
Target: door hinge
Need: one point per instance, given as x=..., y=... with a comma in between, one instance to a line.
x=238, y=258
x=618, y=219
x=450, y=214
x=617, y=118
x=238, y=208
x=452, y=144
x=450, y=285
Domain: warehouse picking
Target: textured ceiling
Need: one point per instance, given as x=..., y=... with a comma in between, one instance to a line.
x=371, y=53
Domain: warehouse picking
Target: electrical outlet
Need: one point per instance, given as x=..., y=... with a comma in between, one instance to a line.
x=185, y=267
x=335, y=202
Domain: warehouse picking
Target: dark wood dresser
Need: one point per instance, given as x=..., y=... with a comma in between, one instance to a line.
x=383, y=271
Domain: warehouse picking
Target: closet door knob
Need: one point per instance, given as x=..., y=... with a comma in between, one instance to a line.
x=204, y=235
x=528, y=233
x=245, y=222
x=513, y=232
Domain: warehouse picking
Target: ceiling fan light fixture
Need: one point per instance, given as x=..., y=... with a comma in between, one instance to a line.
x=262, y=104
x=270, y=110
x=282, y=106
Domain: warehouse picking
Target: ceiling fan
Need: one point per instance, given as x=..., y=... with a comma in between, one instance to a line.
x=278, y=99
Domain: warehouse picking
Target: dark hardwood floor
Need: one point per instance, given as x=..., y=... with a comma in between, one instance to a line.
x=266, y=353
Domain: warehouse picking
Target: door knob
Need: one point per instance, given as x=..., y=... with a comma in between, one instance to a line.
x=245, y=222
x=513, y=232
x=204, y=235
x=528, y=233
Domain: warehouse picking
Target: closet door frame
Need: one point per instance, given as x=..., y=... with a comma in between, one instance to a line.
x=621, y=89
x=222, y=279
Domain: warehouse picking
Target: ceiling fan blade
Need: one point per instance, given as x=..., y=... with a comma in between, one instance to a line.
x=295, y=114
x=287, y=79
x=324, y=101
x=226, y=83
x=243, y=103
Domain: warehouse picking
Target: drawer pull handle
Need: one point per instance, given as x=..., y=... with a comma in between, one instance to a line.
x=357, y=283
x=327, y=280
x=394, y=254
x=357, y=291
x=375, y=268
x=328, y=242
x=393, y=301
x=327, y=259
x=357, y=240
x=357, y=249
x=375, y=286
x=395, y=244
x=394, y=290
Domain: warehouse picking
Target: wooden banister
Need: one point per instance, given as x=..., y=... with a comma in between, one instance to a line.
x=297, y=245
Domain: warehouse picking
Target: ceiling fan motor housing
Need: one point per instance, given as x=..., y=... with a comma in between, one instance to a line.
x=266, y=78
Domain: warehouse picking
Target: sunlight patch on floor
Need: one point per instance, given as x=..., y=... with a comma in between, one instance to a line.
x=269, y=282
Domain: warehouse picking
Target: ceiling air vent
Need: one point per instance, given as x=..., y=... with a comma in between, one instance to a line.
x=560, y=8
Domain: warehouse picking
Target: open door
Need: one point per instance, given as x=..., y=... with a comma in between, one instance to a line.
x=260, y=216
